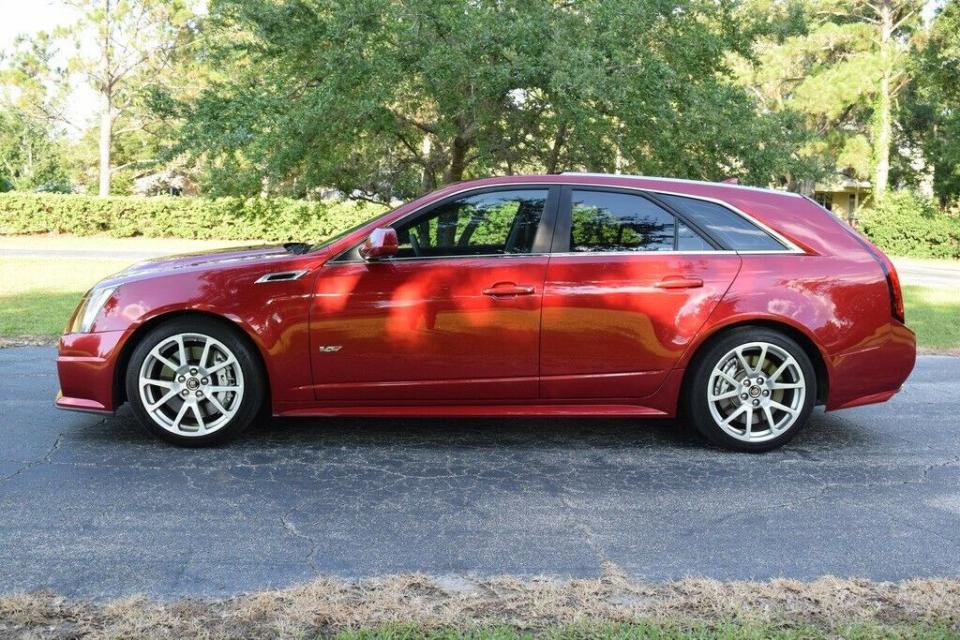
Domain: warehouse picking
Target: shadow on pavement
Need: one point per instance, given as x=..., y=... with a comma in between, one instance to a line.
x=825, y=431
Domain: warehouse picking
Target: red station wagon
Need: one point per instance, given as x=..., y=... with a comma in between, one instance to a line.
x=573, y=295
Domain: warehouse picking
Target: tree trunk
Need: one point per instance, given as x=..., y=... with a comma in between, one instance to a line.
x=883, y=132
x=458, y=160
x=106, y=105
x=106, y=140
x=553, y=159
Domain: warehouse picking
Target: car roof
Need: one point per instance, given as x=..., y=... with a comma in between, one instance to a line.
x=720, y=190
x=799, y=219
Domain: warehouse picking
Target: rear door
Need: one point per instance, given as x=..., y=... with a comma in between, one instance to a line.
x=629, y=284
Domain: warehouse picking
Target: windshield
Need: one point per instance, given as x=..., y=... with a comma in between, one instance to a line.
x=327, y=242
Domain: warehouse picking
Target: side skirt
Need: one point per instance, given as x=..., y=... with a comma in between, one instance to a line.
x=479, y=411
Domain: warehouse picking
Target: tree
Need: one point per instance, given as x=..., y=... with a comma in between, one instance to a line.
x=133, y=42
x=389, y=99
x=843, y=65
x=893, y=22
x=30, y=159
x=932, y=119
x=32, y=98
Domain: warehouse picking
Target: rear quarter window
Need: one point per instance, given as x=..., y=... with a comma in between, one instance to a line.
x=730, y=228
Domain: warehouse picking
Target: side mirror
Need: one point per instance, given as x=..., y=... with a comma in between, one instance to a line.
x=381, y=243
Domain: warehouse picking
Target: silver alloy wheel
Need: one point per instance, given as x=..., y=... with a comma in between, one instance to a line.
x=191, y=384
x=756, y=392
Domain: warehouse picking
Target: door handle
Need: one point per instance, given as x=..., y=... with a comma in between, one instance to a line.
x=504, y=289
x=679, y=282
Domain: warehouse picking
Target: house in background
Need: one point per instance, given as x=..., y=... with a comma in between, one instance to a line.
x=168, y=182
x=844, y=196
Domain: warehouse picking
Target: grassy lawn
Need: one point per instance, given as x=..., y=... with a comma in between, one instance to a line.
x=935, y=315
x=37, y=295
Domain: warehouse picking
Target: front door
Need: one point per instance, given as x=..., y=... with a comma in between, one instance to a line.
x=629, y=287
x=454, y=317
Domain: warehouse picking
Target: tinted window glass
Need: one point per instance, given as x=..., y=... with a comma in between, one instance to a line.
x=607, y=221
x=735, y=231
x=689, y=240
x=485, y=224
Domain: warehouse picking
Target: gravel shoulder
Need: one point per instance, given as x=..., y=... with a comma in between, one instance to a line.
x=502, y=608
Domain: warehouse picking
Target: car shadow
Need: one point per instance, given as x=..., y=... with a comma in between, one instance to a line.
x=825, y=431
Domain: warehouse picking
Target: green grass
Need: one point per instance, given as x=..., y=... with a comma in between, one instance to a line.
x=37, y=295
x=662, y=631
x=36, y=313
x=934, y=314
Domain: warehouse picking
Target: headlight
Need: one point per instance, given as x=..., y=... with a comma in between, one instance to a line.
x=90, y=307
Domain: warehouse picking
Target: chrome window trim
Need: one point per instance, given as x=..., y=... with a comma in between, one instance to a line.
x=419, y=258
x=671, y=252
x=565, y=254
x=790, y=247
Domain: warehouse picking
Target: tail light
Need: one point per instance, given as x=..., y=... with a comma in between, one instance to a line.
x=889, y=271
x=896, y=294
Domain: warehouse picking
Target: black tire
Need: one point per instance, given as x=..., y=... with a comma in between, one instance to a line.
x=251, y=404
x=696, y=407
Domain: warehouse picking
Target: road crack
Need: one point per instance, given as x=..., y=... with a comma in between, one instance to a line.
x=44, y=459
x=291, y=528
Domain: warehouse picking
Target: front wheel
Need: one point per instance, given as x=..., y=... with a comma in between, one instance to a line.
x=194, y=382
x=752, y=390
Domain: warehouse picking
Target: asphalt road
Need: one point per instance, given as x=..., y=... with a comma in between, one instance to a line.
x=94, y=507
x=942, y=274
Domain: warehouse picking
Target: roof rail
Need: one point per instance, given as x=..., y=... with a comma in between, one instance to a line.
x=681, y=180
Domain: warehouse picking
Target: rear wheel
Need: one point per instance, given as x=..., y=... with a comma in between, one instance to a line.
x=752, y=390
x=194, y=382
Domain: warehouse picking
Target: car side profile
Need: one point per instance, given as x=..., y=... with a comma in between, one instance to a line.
x=736, y=309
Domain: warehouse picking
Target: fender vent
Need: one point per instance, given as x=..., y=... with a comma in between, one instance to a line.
x=281, y=276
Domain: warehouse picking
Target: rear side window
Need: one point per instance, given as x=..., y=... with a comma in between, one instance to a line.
x=605, y=221
x=733, y=230
x=689, y=240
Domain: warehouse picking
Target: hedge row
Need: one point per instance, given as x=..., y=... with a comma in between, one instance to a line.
x=273, y=219
x=902, y=224
x=905, y=224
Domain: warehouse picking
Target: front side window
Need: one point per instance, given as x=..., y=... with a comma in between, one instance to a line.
x=492, y=223
x=605, y=221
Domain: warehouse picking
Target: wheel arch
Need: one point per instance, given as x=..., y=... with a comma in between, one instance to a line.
x=126, y=351
x=806, y=343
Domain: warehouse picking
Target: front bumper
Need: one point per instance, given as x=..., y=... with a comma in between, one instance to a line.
x=86, y=366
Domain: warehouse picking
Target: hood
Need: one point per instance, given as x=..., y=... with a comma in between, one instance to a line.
x=233, y=256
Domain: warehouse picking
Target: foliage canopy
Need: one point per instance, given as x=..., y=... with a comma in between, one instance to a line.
x=388, y=99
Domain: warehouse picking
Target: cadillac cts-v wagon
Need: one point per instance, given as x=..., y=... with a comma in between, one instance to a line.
x=736, y=309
